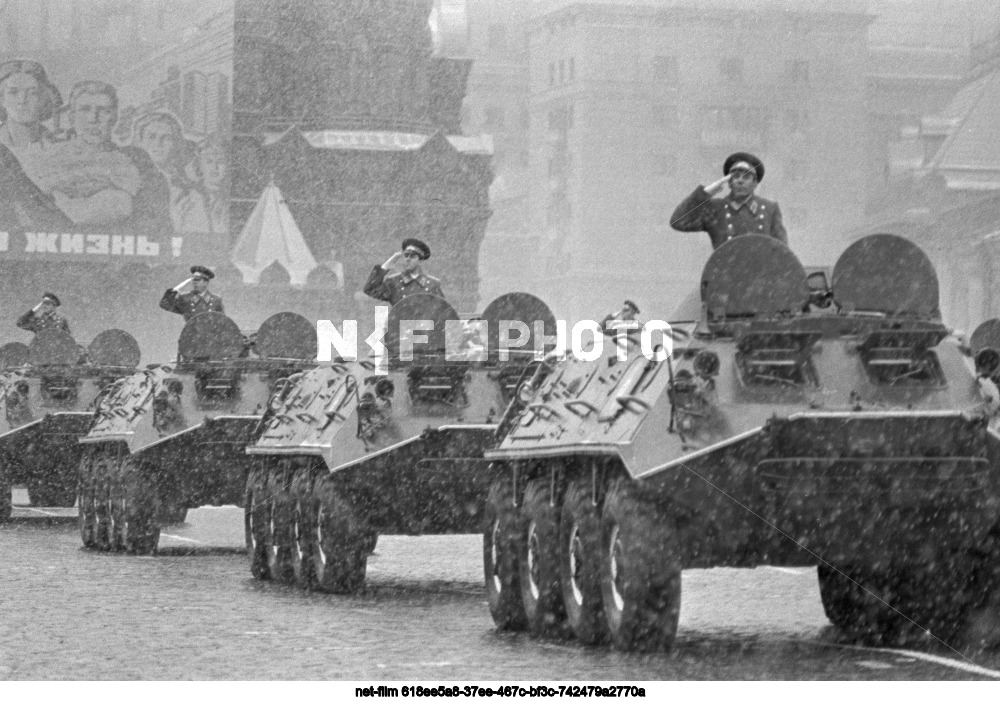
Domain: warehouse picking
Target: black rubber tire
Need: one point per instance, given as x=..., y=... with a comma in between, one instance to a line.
x=279, y=534
x=53, y=489
x=140, y=528
x=979, y=627
x=115, y=507
x=640, y=571
x=340, y=557
x=6, y=502
x=103, y=466
x=303, y=509
x=65, y=496
x=502, y=541
x=255, y=514
x=862, y=603
x=87, y=510
x=837, y=594
x=538, y=562
x=580, y=564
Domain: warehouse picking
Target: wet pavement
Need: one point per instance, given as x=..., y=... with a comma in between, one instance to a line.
x=194, y=612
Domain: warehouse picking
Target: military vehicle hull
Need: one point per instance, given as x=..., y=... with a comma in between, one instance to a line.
x=354, y=450
x=854, y=441
x=47, y=406
x=165, y=440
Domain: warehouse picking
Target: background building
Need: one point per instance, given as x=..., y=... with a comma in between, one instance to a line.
x=633, y=104
x=358, y=122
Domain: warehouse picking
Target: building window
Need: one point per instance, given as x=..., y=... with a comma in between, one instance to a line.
x=731, y=69
x=797, y=72
x=572, y=69
x=665, y=70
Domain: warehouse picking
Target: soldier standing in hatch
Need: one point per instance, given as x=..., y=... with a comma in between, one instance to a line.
x=44, y=316
x=409, y=281
x=738, y=213
x=628, y=312
x=198, y=301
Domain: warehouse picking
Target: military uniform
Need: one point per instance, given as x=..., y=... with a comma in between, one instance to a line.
x=725, y=217
x=392, y=288
x=30, y=321
x=191, y=303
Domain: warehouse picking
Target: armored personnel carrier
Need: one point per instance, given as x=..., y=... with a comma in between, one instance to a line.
x=843, y=428
x=47, y=390
x=359, y=448
x=166, y=439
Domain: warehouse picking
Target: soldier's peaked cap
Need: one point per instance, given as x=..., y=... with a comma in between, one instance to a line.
x=633, y=305
x=49, y=297
x=748, y=158
x=419, y=246
x=202, y=271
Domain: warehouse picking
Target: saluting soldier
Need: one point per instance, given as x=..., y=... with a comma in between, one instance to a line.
x=198, y=301
x=740, y=212
x=611, y=322
x=410, y=280
x=44, y=316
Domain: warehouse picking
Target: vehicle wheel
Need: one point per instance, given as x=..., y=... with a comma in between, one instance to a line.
x=836, y=591
x=640, y=571
x=88, y=509
x=6, y=503
x=140, y=529
x=502, y=540
x=980, y=619
x=255, y=513
x=859, y=601
x=53, y=489
x=339, y=555
x=580, y=564
x=65, y=496
x=115, y=508
x=279, y=534
x=302, y=528
x=103, y=465
x=38, y=491
x=538, y=561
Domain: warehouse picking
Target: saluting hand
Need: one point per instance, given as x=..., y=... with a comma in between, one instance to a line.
x=182, y=285
x=717, y=185
x=393, y=260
